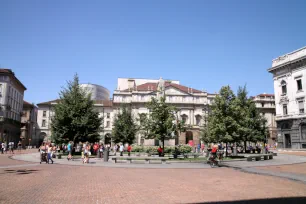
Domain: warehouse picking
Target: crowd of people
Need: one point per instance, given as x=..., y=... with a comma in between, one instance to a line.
x=9, y=147
x=85, y=149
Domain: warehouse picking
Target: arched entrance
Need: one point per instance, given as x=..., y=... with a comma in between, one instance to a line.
x=189, y=136
x=42, y=138
x=107, y=139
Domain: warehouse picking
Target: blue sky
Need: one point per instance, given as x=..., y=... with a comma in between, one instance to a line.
x=204, y=44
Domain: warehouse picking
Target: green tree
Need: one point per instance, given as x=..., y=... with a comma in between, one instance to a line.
x=160, y=123
x=251, y=125
x=74, y=116
x=125, y=127
x=221, y=122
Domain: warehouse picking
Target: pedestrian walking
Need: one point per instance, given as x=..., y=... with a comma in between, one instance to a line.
x=19, y=146
x=101, y=150
x=3, y=147
x=69, y=149
x=11, y=147
x=129, y=149
x=49, y=152
x=121, y=149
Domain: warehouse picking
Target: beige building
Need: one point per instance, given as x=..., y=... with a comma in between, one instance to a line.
x=46, y=111
x=265, y=103
x=11, y=103
x=192, y=104
x=29, y=124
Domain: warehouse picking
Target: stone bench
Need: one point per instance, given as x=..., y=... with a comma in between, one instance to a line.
x=192, y=155
x=146, y=159
x=258, y=157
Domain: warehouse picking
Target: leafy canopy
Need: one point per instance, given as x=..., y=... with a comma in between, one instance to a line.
x=125, y=127
x=74, y=116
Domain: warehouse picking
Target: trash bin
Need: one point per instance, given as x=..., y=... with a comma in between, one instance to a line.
x=106, y=154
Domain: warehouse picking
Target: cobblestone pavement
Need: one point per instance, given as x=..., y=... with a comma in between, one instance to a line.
x=78, y=184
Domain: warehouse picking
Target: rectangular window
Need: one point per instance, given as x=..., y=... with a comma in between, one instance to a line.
x=284, y=89
x=303, y=131
x=43, y=124
x=285, y=111
x=301, y=106
x=107, y=124
x=299, y=84
x=44, y=113
x=108, y=115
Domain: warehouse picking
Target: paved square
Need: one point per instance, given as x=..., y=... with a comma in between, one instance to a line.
x=79, y=184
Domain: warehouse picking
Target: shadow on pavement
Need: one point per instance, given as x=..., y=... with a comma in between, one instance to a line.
x=264, y=201
x=20, y=171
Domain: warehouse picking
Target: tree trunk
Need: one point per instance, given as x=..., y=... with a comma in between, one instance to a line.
x=245, y=148
x=226, y=149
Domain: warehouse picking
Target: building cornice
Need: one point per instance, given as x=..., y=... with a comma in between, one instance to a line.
x=287, y=59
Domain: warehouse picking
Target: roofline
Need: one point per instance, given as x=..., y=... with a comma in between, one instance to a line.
x=289, y=62
x=147, y=78
x=10, y=72
x=290, y=53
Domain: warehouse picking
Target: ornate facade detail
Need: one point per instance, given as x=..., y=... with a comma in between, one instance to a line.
x=283, y=100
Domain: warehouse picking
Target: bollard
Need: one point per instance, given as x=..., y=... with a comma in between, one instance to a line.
x=106, y=154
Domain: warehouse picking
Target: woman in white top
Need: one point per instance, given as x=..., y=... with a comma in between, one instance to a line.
x=49, y=151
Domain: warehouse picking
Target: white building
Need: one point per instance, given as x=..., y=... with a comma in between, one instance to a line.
x=289, y=74
x=11, y=103
x=265, y=103
x=191, y=103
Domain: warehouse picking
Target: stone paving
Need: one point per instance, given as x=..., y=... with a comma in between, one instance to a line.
x=31, y=182
x=95, y=184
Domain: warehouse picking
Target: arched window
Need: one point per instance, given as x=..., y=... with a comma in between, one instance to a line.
x=184, y=118
x=198, y=120
x=142, y=118
x=303, y=131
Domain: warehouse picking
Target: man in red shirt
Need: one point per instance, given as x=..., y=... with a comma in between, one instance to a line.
x=129, y=149
x=96, y=147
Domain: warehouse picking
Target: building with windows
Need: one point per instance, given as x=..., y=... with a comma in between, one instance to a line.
x=11, y=103
x=265, y=103
x=28, y=124
x=192, y=106
x=289, y=75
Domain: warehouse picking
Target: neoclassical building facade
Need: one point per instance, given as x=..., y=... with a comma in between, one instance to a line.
x=192, y=104
x=289, y=75
x=192, y=107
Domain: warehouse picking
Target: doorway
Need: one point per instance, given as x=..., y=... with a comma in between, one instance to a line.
x=287, y=141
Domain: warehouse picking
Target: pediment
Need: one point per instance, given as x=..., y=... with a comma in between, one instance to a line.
x=174, y=91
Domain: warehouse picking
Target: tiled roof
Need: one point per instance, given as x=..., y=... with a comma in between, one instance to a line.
x=266, y=95
x=48, y=102
x=153, y=87
x=108, y=103
x=104, y=102
x=27, y=104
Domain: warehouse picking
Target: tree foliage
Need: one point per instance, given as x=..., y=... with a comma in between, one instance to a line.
x=161, y=123
x=125, y=127
x=234, y=118
x=251, y=125
x=222, y=126
x=74, y=116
